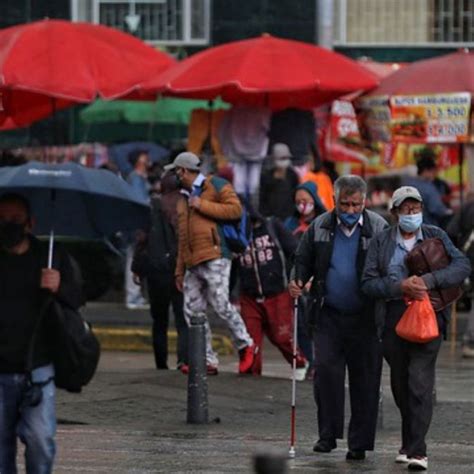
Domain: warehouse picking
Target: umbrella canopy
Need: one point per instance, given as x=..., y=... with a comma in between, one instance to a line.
x=74, y=200
x=381, y=70
x=452, y=72
x=70, y=63
x=166, y=110
x=266, y=71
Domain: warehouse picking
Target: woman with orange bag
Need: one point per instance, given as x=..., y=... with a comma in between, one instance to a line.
x=386, y=279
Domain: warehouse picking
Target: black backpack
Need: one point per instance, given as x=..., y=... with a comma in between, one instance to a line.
x=74, y=347
x=76, y=350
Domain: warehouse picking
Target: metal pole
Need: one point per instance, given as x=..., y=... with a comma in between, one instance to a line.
x=270, y=463
x=197, y=378
x=292, y=451
x=325, y=16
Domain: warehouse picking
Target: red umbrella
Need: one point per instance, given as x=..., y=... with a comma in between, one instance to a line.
x=452, y=72
x=70, y=63
x=264, y=71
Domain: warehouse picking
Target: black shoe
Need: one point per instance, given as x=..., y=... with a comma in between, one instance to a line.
x=355, y=455
x=324, y=446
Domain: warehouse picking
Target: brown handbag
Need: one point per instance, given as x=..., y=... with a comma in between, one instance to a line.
x=426, y=257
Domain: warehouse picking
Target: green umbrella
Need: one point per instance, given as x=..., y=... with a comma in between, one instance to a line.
x=167, y=111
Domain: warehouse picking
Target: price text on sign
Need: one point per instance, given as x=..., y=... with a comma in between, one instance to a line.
x=437, y=118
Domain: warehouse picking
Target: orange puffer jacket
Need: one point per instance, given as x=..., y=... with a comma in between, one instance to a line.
x=199, y=231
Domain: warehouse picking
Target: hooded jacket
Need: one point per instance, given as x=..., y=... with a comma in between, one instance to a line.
x=296, y=221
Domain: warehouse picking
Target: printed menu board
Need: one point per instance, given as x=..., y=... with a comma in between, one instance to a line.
x=436, y=118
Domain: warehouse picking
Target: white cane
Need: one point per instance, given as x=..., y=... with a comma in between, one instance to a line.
x=292, y=452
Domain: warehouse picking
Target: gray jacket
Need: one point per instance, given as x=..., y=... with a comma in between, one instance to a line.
x=313, y=256
x=377, y=284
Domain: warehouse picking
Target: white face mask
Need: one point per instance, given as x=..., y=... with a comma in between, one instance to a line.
x=283, y=164
x=305, y=208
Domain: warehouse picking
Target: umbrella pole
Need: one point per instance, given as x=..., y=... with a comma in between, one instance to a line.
x=51, y=249
x=51, y=233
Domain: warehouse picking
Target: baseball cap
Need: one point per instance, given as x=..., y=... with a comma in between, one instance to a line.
x=186, y=160
x=280, y=151
x=403, y=193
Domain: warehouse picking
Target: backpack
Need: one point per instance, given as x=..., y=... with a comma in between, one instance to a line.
x=237, y=234
x=74, y=347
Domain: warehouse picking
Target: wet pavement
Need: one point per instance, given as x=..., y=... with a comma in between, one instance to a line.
x=131, y=419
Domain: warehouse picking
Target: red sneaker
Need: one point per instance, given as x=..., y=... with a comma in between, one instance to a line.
x=212, y=369
x=184, y=368
x=247, y=357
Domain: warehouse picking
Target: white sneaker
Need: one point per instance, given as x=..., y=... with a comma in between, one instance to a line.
x=401, y=458
x=300, y=372
x=139, y=306
x=418, y=464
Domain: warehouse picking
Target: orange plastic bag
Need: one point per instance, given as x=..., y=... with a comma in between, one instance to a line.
x=418, y=323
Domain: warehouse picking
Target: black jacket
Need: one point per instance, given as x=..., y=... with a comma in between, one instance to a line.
x=277, y=195
x=262, y=267
x=156, y=257
x=314, y=253
x=21, y=300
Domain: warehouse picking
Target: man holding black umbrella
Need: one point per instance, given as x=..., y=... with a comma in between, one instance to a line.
x=28, y=409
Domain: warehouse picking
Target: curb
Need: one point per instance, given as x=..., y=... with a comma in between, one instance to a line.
x=140, y=340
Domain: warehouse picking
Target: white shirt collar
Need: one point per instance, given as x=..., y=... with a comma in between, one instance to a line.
x=200, y=178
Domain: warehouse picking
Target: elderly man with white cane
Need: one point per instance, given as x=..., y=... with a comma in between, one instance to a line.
x=332, y=252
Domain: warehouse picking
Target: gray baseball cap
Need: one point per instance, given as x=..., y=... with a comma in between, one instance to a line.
x=403, y=193
x=186, y=160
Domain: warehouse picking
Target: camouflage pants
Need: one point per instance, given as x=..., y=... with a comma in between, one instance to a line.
x=208, y=284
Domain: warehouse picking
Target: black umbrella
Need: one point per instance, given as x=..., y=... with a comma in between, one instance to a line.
x=72, y=200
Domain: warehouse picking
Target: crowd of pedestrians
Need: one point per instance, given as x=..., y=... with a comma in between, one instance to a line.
x=313, y=239
x=309, y=240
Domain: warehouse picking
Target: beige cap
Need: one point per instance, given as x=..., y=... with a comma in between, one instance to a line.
x=186, y=160
x=403, y=193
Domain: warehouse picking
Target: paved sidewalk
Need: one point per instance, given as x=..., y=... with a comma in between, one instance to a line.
x=131, y=419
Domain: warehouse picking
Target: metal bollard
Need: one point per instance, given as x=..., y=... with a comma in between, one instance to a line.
x=197, y=378
x=270, y=463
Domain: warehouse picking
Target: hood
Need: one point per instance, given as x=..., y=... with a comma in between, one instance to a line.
x=311, y=188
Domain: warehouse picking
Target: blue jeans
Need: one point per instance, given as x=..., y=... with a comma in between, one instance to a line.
x=35, y=426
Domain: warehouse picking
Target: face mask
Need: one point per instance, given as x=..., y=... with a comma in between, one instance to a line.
x=282, y=164
x=410, y=222
x=305, y=208
x=11, y=234
x=349, y=219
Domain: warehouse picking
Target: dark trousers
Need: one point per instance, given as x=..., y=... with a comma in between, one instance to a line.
x=343, y=340
x=412, y=377
x=163, y=292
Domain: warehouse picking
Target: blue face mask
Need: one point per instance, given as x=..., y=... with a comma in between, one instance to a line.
x=348, y=219
x=410, y=222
